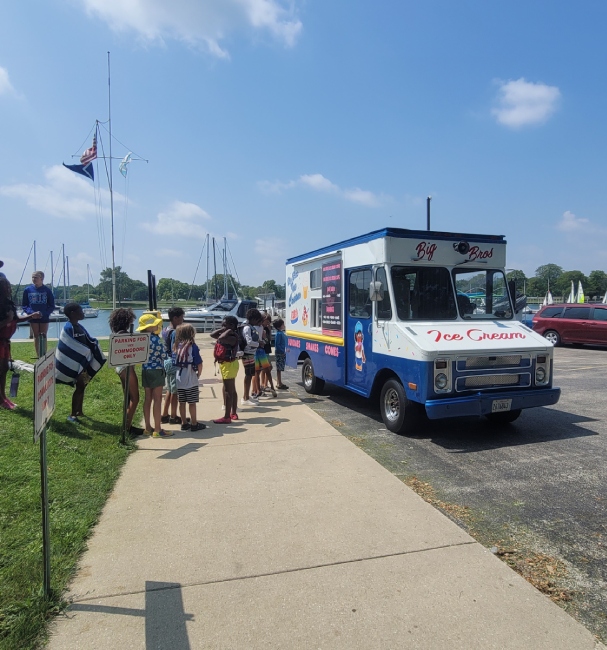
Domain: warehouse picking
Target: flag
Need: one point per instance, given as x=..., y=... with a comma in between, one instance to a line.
x=90, y=154
x=85, y=170
x=125, y=161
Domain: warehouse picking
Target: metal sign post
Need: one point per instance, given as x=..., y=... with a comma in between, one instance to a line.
x=44, y=405
x=128, y=350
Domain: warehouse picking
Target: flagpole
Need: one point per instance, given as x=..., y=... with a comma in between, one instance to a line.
x=109, y=97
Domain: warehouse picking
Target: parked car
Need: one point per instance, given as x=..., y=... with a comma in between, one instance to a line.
x=572, y=323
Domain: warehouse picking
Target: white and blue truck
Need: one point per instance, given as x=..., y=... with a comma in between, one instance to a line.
x=423, y=320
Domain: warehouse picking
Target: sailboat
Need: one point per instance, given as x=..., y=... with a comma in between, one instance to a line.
x=580, y=293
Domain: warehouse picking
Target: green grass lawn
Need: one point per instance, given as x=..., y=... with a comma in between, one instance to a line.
x=84, y=462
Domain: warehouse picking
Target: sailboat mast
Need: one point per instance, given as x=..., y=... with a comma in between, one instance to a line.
x=88, y=285
x=109, y=97
x=225, y=269
x=35, y=262
x=67, y=266
x=64, y=289
x=52, y=275
x=208, y=254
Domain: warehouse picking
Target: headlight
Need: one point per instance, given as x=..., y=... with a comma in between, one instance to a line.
x=441, y=381
x=540, y=375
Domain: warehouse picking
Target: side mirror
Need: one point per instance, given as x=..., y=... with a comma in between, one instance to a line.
x=376, y=291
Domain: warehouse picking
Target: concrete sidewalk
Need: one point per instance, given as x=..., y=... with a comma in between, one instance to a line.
x=278, y=532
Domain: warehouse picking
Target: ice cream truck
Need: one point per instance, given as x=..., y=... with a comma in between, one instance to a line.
x=422, y=320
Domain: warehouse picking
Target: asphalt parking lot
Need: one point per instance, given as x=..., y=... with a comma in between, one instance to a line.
x=534, y=491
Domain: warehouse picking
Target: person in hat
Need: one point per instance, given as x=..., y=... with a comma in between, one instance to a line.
x=152, y=376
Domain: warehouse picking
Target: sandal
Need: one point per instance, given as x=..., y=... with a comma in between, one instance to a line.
x=222, y=421
x=234, y=416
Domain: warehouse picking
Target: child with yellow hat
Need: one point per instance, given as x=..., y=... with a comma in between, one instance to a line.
x=152, y=376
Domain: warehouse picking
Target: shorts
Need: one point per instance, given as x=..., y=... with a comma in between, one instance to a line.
x=261, y=361
x=229, y=369
x=170, y=383
x=248, y=362
x=188, y=395
x=281, y=360
x=152, y=378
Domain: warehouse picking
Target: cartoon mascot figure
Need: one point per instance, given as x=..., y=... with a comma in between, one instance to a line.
x=359, y=350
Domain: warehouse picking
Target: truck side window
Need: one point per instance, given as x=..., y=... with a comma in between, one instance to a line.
x=359, y=302
x=384, y=307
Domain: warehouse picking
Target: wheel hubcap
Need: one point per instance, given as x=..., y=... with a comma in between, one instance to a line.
x=391, y=405
x=308, y=376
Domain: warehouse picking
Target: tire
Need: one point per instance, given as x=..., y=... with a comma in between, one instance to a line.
x=553, y=337
x=311, y=382
x=500, y=419
x=398, y=413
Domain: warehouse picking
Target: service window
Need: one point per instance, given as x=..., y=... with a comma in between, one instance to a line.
x=315, y=279
x=600, y=313
x=359, y=300
x=384, y=307
x=579, y=313
x=316, y=313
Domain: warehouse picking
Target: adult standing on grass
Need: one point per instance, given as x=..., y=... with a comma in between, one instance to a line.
x=121, y=321
x=78, y=358
x=38, y=298
x=8, y=325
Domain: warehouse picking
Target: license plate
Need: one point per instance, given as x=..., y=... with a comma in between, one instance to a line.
x=500, y=405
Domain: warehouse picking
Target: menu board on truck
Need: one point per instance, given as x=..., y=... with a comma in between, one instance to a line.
x=331, y=298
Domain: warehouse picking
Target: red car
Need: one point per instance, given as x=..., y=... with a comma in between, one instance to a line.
x=572, y=323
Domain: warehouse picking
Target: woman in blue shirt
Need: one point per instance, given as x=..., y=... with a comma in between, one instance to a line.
x=38, y=298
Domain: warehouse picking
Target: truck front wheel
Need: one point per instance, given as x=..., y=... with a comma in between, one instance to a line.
x=398, y=413
x=311, y=382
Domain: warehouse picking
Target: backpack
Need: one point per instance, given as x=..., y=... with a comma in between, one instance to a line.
x=223, y=352
x=242, y=342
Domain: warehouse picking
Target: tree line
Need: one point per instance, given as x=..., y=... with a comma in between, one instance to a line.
x=167, y=289
x=555, y=278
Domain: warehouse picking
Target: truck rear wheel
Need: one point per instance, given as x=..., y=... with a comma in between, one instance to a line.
x=311, y=382
x=398, y=413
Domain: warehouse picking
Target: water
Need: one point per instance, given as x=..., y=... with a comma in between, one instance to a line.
x=94, y=326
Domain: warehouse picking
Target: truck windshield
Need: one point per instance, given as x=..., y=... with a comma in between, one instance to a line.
x=423, y=293
x=482, y=294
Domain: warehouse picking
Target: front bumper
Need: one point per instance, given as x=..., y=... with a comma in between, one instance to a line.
x=480, y=403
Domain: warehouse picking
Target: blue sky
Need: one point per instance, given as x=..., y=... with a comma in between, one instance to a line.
x=286, y=125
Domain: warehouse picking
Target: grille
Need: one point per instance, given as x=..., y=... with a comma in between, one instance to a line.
x=493, y=362
x=490, y=380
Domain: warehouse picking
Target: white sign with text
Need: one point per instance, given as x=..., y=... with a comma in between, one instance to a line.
x=128, y=349
x=44, y=392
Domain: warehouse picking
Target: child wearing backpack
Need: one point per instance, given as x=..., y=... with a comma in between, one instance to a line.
x=226, y=355
x=186, y=356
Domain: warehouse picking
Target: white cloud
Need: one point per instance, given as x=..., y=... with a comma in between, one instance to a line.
x=197, y=23
x=6, y=87
x=183, y=219
x=523, y=103
x=319, y=183
x=65, y=195
x=569, y=222
x=168, y=252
